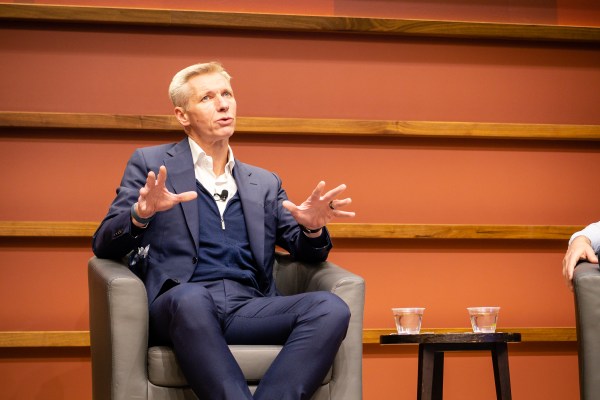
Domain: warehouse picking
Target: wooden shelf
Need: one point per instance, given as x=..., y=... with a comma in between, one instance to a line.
x=295, y=23
x=75, y=229
x=449, y=231
x=13, y=339
x=305, y=126
x=47, y=229
x=44, y=339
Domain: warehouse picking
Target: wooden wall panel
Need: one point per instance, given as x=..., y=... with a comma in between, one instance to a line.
x=53, y=374
x=470, y=182
x=108, y=70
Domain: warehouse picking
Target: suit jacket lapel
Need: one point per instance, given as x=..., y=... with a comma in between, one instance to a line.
x=181, y=176
x=254, y=209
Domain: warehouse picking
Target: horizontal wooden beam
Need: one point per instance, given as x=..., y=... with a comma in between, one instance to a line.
x=448, y=231
x=47, y=229
x=44, y=339
x=12, y=339
x=296, y=23
x=57, y=229
x=306, y=126
x=41, y=120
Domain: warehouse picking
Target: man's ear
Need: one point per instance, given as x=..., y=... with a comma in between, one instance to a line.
x=181, y=116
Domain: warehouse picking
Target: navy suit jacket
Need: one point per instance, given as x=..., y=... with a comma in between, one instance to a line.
x=172, y=236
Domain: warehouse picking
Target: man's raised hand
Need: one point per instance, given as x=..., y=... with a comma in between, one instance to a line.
x=318, y=209
x=155, y=197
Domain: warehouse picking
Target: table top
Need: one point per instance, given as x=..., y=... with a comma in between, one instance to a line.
x=462, y=337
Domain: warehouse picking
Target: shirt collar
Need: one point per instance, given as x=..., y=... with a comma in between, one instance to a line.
x=198, y=155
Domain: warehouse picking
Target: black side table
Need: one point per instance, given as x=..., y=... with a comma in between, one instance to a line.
x=431, y=358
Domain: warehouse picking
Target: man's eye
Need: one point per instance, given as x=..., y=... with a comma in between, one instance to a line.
x=205, y=98
x=228, y=94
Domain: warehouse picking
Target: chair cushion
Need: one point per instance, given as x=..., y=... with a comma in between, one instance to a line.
x=163, y=369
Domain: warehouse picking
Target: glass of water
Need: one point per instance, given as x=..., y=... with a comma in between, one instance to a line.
x=408, y=320
x=483, y=319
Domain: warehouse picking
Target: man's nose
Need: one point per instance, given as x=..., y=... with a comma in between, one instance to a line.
x=222, y=103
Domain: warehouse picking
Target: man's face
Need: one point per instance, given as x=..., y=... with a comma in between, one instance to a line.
x=211, y=111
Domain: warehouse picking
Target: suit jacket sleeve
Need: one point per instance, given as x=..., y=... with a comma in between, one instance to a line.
x=116, y=236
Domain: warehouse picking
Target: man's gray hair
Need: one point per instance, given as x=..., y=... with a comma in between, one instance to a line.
x=179, y=90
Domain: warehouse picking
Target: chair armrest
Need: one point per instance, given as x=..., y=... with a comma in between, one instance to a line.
x=118, y=331
x=293, y=277
x=298, y=277
x=586, y=286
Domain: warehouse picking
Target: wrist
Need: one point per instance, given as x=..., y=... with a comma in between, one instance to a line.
x=137, y=218
x=580, y=240
x=310, y=231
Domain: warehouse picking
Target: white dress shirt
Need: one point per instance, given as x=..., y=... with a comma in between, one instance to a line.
x=203, y=169
x=592, y=232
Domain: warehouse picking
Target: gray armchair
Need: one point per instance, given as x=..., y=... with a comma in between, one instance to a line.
x=586, y=284
x=124, y=368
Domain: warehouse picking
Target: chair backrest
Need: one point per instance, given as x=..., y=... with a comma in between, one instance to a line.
x=586, y=286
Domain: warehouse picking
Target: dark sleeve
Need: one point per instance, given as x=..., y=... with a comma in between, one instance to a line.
x=116, y=236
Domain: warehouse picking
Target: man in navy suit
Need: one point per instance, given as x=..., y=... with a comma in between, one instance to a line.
x=201, y=229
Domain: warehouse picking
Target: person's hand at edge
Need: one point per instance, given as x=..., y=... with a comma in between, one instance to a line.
x=579, y=249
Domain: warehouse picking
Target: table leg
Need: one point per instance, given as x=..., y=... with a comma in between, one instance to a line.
x=430, y=384
x=438, y=376
x=425, y=378
x=501, y=371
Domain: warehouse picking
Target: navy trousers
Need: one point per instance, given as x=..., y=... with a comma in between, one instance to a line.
x=200, y=319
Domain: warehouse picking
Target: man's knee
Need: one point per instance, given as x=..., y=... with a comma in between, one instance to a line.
x=333, y=307
x=342, y=311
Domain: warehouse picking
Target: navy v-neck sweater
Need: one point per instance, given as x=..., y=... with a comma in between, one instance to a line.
x=223, y=248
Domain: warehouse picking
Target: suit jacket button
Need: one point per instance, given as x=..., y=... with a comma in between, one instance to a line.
x=195, y=260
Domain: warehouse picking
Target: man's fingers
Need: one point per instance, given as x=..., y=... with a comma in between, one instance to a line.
x=333, y=193
x=151, y=179
x=186, y=196
x=143, y=191
x=344, y=214
x=591, y=256
x=288, y=205
x=572, y=262
x=569, y=273
x=316, y=193
x=341, y=203
x=162, y=176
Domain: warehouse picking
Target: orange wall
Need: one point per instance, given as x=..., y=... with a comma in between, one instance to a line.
x=72, y=175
